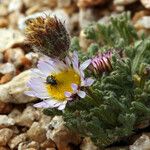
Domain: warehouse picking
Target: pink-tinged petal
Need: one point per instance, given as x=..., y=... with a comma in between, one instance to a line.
x=68, y=61
x=42, y=104
x=81, y=94
x=85, y=64
x=74, y=86
x=62, y=106
x=68, y=94
x=88, y=82
x=75, y=60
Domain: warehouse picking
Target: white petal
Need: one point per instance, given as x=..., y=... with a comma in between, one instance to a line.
x=62, y=106
x=42, y=104
x=82, y=94
x=37, y=73
x=85, y=64
x=45, y=68
x=30, y=93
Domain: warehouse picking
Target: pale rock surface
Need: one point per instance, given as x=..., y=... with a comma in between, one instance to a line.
x=60, y=134
x=64, y=3
x=14, y=142
x=3, y=11
x=28, y=116
x=142, y=143
x=123, y=2
x=143, y=22
x=146, y=3
x=15, y=5
x=84, y=42
x=9, y=37
x=6, y=121
x=27, y=145
x=89, y=3
x=5, y=135
x=87, y=144
x=37, y=133
x=14, y=55
x=1, y=57
x=7, y=68
x=13, y=91
x=86, y=17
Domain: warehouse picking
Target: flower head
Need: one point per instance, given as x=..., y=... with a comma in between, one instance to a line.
x=48, y=35
x=57, y=82
x=101, y=63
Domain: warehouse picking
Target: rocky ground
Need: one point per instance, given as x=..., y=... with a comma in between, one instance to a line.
x=22, y=126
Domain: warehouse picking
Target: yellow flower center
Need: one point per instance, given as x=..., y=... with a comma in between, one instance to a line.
x=63, y=80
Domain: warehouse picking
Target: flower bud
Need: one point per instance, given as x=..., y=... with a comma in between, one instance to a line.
x=101, y=63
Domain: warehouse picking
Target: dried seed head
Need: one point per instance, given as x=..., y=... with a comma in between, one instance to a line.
x=101, y=63
x=48, y=36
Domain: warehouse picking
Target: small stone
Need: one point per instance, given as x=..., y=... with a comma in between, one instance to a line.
x=27, y=145
x=61, y=135
x=123, y=2
x=13, y=19
x=7, y=68
x=45, y=120
x=10, y=37
x=3, y=22
x=29, y=115
x=15, y=113
x=37, y=133
x=89, y=3
x=32, y=57
x=3, y=10
x=84, y=42
x=15, y=5
x=5, y=108
x=4, y=148
x=7, y=77
x=13, y=91
x=64, y=3
x=47, y=144
x=5, y=135
x=50, y=148
x=6, y=121
x=142, y=143
x=14, y=142
x=86, y=17
x=14, y=55
x=146, y=3
x=87, y=144
x=1, y=57
x=143, y=22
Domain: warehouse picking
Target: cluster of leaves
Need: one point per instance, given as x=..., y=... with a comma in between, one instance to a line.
x=119, y=100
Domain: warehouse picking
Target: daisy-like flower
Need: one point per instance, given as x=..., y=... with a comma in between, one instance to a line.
x=58, y=82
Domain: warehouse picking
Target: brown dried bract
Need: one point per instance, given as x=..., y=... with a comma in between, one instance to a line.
x=48, y=36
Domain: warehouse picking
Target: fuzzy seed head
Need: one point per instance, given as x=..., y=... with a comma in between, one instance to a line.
x=48, y=36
